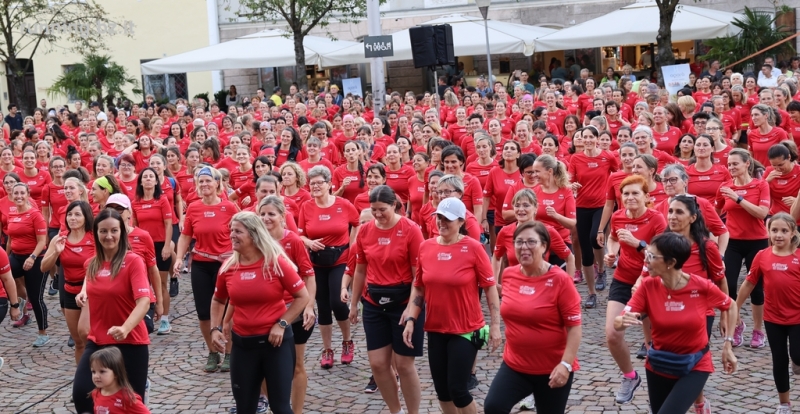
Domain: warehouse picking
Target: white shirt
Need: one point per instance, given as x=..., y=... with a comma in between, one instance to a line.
x=766, y=82
x=775, y=73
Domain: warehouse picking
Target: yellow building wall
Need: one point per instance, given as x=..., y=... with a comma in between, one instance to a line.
x=161, y=28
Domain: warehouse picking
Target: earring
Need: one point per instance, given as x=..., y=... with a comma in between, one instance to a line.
x=667, y=267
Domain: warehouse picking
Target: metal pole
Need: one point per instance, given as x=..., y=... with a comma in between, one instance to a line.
x=488, y=54
x=376, y=64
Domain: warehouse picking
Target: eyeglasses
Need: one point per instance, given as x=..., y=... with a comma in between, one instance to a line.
x=650, y=256
x=672, y=180
x=699, y=122
x=445, y=193
x=529, y=173
x=125, y=166
x=317, y=183
x=713, y=129
x=526, y=243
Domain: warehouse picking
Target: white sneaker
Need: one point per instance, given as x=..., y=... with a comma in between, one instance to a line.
x=784, y=409
x=527, y=403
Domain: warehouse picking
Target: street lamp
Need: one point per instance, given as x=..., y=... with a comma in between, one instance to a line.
x=483, y=6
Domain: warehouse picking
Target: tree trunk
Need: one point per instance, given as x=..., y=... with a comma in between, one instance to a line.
x=17, y=75
x=300, y=62
x=664, y=57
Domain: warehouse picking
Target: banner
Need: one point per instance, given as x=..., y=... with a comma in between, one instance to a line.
x=675, y=78
x=353, y=86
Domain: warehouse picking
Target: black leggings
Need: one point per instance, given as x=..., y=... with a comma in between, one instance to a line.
x=204, y=281
x=670, y=396
x=136, y=359
x=3, y=309
x=249, y=366
x=450, y=359
x=509, y=387
x=35, y=282
x=588, y=221
x=329, y=289
x=777, y=335
x=737, y=251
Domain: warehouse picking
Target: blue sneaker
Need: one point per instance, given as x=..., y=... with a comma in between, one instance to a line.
x=164, y=328
x=41, y=341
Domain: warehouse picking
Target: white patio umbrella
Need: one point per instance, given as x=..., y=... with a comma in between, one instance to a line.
x=468, y=40
x=267, y=48
x=637, y=24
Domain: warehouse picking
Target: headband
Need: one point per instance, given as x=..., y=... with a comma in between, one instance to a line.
x=103, y=183
x=205, y=171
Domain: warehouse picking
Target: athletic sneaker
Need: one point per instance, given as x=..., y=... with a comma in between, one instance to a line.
x=164, y=328
x=24, y=320
x=226, y=364
x=527, y=403
x=146, y=398
x=41, y=340
x=53, y=287
x=591, y=302
x=784, y=409
x=627, y=388
x=263, y=405
x=600, y=279
x=642, y=352
x=738, y=334
x=29, y=306
x=703, y=408
x=758, y=340
x=372, y=386
x=173, y=287
x=71, y=342
x=185, y=269
x=212, y=363
x=347, y=352
x=577, y=278
x=327, y=359
x=473, y=382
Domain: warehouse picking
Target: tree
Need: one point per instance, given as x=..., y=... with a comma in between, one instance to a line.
x=664, y=55
x=28, y=27
x=757, y=33
x=301, y=16
x=96, y=78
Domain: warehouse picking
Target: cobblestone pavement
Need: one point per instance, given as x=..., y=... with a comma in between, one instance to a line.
x=39, y=380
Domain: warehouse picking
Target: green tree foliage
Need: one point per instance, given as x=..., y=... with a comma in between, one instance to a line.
x=96, y=78
x=757, y=32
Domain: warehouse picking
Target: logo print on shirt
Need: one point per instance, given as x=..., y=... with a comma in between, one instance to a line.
x=592, y=165
x=527, y=290
x=674, y=306
x=444, y=256
x=741, y=192
x=384, y=241
x=780, y=267
x=549, y=283
x=147, y=205
x=464, y=249
x=509, y=181
x=77, y=249
x=248, y=275
x=631, y=227
x=548, y=202
x=209, y=214
x=324, y=217
x=104, y=273
x=694, y=294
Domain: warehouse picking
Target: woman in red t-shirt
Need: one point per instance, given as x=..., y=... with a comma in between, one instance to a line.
x=544, y=367
x=763, y=133
x=34, y=178
x=207, y=222
x=777, y=268
x=417, y=188
x=631, y=227
x=783, y=177
x=484, y=159
x=453, y=162
x=746, y=201
x=254, y=281
x=348, y=180
x=274, y=216
x=117, y=293
x=53, y=196
x=328, y=225
x=397, y=173
x=448, y=269
x=706, y=176
x=72, y=249
x=293, y=183
x=676, y=302
x=554, y=195
x=386, y=261
x=376, y=176
x=501, y=178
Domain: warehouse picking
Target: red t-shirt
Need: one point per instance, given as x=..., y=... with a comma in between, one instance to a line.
x=721, y=156
x=707, y=210
x=331, y=224
x=705, y=184
x=497, y=185
x=293, y=246
x=449, y=275
x=504, y=246
x=557, y=118
x=760, y=143
x=614, y=181
x=473, y=195
x=552, y=297
x=644, y=227
x=128, y=187
x=794, y=131
x=36, y=183
x=140, y=161
x=257, y=294
x=389, y=254
x=481, y=172
x=715, y=271
x=299, y=198
x=117, y=403
x=508, y=204
x=112, y=299
x=679, y=317
x=416, y=192
x=23, y=228
x=398, y=181
x=741, y=224
x=142, y=244
x=701, y=97
x=354, y=188
x=668, y=140
x=73, y=260
x=781, y=276
x=53, y=197
x=5, y=266
x=592, y=173
x=562, y=202
x=787, y=185
x=209, y=226
x=151, y=214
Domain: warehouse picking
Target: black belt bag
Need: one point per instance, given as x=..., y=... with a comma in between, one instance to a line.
x=670, y=363
x=328, y=256
x=389, y=297
x=251, y=342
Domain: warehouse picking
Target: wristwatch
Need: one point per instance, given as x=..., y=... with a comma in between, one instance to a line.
x=567, y=365
x=283, y=324
x=739, y=200
x=409, y=319
x=642, y=246
x=33, y=256
x=217, y=328
x=14, y=305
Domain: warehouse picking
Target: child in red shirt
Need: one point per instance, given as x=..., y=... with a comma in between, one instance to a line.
x=114, y=394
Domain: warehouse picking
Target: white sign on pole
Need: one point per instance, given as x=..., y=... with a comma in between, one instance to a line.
x=353, y=86
x=675, y=77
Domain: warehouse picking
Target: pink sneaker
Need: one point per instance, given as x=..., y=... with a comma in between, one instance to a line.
x=758, y=340
x=347, y=352
x=24, y=320
x=738, y=335
x=327, y=359
x=577, y=278
x=704, y=408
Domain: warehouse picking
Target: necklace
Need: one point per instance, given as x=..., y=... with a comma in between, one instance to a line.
x=678, y=285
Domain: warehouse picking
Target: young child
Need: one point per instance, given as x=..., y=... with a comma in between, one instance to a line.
x=114, y=394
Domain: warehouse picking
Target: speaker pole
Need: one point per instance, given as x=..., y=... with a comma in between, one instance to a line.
x=376, y=64
x=436, y=91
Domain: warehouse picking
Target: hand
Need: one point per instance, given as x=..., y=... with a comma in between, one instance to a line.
x=772, y=175
x=729, y=361
x=28, y=264
x=788, y=200
x=576, y=186
x=609, y=259
x=727, y=192
x=60, y=242
x=559, y=376
x=631, y=319
x=15, y=314
x=408, y=333
x=219, y=340
x=601, y=239
x=353, y=314
x=159, y=311
x=347, y=181
x=81, y=299
x=246, y=201
x=625, y=236
x=177, y=267
x=276, y=335
x=309, y=318
x=345, y=295
x=315, y=245
x=495, y=338
x=485, y=226
x=636, y=286
x=166, y=252
x=118, y=333
x=551, y=212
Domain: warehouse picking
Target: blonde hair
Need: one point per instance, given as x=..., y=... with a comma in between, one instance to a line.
x=266, y=245
x=81, y=188
x=215, y=174
x=301, y=176
x=687, y=103
x=560, y=174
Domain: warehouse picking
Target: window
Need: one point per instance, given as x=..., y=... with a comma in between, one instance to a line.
x=170, y=86
x=71, y=98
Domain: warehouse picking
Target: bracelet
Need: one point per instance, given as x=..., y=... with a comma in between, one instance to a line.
x=728, y=339
x=600, y=232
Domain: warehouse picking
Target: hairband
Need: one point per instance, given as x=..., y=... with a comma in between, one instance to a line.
x=103, y=183
x=206, y=171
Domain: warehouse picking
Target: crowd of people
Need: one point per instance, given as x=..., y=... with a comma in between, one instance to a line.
x=292, y=211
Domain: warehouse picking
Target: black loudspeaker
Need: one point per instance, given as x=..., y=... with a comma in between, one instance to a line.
x=432, y=45
x=423, y=49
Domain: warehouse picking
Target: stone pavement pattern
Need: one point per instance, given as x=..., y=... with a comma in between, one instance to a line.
x=38, y=380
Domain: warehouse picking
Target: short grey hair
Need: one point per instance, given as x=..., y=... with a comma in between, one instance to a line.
x=453, y=181
x=320, y=171
x=677, y=169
